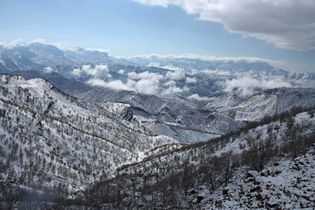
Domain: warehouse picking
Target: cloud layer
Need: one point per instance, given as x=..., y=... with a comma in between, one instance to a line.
x=247, y=85
x=178, y=82
x=284, y=23
x=144, y=82
x=92, y=71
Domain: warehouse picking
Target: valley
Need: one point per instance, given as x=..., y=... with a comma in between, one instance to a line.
x=82, y=129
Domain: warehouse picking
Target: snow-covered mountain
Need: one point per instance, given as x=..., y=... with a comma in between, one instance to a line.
x=169, y=131
x=166, y=76
x=269, y=165
x=194, y=62
x=260, y=105
x=286, y=183
x=219, y=115
x=189, y=99
x=50, y=139
x=271, y=102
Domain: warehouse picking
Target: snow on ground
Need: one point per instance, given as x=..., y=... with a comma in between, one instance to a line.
x=241, y=143
x=283, y=184
x=115, y=108
x=74, y=143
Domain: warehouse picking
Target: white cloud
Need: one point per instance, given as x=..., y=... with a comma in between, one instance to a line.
x=284, y=23
x=169, y=83
x=144, y=75
x=141, y=83
x=247, y=85
x=97, y=82
x=76, y=71
x=172, y=90
x=186, y=89
x=145, y=82
x=115, y=84
x=121, y=71
x=159, y=65
x=92, y=71
x=191, y=80
x=148, y=86
x=177, y=74
x=150, y=83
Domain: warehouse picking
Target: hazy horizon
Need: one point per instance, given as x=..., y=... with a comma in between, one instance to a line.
x=136, y=27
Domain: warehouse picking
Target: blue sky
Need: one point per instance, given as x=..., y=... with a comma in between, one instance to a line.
x=126, y=27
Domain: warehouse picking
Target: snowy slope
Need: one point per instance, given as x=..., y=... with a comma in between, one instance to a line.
x=237, y=143
x=50, y=138
x=273, y=102
x=212, y=174
x=283, y=184
x=184, y=91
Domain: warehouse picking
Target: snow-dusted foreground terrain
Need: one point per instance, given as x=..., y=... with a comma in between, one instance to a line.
x=283, y=184
x=266, y=165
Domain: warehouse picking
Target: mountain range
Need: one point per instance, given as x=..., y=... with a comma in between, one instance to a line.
x=80, y=125
x=168, y=95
